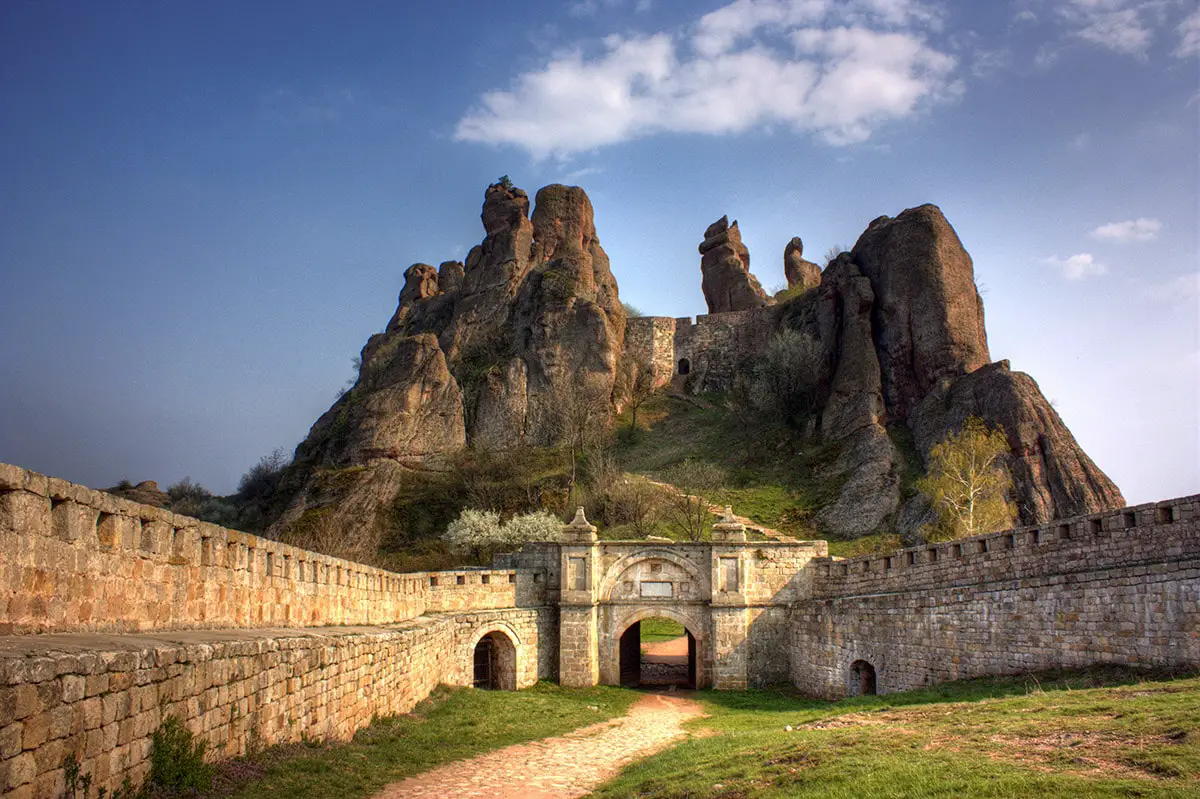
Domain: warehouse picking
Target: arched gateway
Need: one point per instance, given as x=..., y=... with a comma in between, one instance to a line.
x=730, y=597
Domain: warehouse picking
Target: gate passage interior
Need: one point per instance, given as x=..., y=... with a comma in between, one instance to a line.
x=642, y=670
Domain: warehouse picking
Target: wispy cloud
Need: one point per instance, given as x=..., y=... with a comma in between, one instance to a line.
x=834, y=68
x=1140, y=229
x=1184, y=287
x=1189, y=36
x=1077, y=267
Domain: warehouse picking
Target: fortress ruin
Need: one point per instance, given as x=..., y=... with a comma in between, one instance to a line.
x=141, y=614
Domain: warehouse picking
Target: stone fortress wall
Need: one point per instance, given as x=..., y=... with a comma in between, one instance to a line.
x=704, y=354
x=144, y=614
x=1119, y=587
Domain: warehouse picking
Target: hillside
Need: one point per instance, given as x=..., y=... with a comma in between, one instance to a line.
x=498, y=382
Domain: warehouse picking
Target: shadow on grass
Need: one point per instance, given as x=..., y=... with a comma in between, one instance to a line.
x=786, y=699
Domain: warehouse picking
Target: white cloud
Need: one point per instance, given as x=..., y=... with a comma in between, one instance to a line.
x=1140, y=229
x=1077, y=267
x=1189, y=36
x=1123, y=26
x=838, y=69
x=1080, y=141
x=1182, y=287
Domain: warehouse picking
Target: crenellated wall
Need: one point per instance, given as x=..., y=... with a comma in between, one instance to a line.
x=1117, y=587
x=77, y=559
x=143, y=614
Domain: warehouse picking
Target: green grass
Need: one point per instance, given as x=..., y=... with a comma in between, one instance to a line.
x=1095, y=734
x=654, y=630
x=452, y=724
x=774, y=478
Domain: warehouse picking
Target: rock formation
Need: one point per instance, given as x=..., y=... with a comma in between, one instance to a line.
x=488, y=353
x=799, y=272
x=901, y=325
x=499, y=351
x=725, y=266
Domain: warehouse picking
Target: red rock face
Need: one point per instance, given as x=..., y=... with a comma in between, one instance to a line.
x=798, y=271
x=725, y=266
x=928, y=317
x=478, y=353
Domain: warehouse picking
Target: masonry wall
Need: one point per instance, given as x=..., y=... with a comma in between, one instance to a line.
x=101, y=697
x=716, y=345
x=75, y=559
x=1118, y=587
x=651, y=339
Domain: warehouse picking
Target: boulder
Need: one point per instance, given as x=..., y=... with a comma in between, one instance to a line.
x=725, y=268
x=799, y=273
x=928, y=317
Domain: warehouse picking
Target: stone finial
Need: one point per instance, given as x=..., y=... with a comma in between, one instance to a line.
x=580, y=530
x=728, y=529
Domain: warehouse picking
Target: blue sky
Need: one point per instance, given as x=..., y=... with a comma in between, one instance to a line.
x=208, y=207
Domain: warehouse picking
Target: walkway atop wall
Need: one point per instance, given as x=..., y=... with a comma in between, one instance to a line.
x=564, y=767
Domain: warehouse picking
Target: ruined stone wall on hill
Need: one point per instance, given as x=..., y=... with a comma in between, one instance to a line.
x=101, y=697
x=651, y=340
x=77, y=559
x=1121, y=587
x=716, y=346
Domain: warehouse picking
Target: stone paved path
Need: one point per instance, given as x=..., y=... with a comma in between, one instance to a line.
x=568, y=766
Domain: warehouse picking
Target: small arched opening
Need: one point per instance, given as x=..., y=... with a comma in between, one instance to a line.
x=862, y=678
x=658, y=652
x=685, y=366
x=495, y=663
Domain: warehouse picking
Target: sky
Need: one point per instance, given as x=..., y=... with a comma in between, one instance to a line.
x=207, y=208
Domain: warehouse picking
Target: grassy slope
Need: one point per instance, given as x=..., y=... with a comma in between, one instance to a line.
x=982, y=738
x=451, y=725
x=655, y=629
x=774, y=481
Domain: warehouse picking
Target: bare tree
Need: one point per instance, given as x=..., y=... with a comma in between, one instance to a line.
x=635, y=385
x=686, y=510
x=580, y=420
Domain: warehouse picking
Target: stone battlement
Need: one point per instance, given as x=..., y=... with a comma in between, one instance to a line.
x=704, y=352
x=1150, y=532
x=76, y=559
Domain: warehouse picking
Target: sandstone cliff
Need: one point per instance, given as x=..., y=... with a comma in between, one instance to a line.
x=488, y=353
x=901, y=327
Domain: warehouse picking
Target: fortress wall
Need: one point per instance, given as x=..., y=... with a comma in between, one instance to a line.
x=76, y=559
x=1117, y=587
x=652, y=339
x=717, y=344
x=100, y=697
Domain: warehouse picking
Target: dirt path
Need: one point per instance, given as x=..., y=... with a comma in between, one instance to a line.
x=568, y=766
x=674, y=651
x=719, y=512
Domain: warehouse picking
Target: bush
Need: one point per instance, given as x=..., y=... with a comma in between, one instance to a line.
x=687, y=511
x=784, y=381
x=473, y=532
x=177, y=761
x=260, y=482
x=479, y=533
x=188, y=497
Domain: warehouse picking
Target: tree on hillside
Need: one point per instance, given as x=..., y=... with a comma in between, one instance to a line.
x=635, y=385
x=580, y=421
x=479, y=533
x=967, y=483
x=784, y=380
x=687, y=510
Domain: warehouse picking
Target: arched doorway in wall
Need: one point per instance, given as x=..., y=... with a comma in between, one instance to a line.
x=685, y=366
x=862, y=678
x=656, y=652
x=495, y=663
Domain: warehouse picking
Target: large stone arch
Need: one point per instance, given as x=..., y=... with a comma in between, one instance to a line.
x=612, y=576
x=694, y=618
